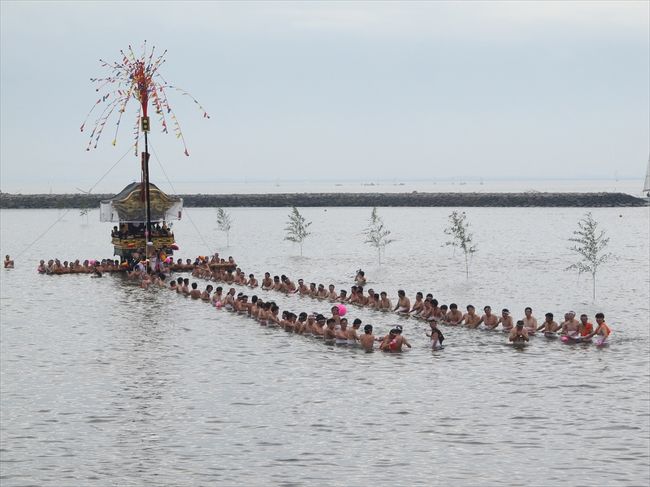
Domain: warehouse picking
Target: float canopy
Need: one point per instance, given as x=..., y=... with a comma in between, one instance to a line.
x=128, y=206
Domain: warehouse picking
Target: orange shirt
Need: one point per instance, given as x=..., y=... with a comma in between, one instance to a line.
x=605, y=329
x=586, y=329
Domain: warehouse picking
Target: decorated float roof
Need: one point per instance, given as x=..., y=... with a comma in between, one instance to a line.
x=128, y=206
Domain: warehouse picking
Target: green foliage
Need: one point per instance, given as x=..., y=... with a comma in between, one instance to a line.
x=461, y=238
x=377, y=235
x=297, y=228
x=590, y=245
x=224, y=222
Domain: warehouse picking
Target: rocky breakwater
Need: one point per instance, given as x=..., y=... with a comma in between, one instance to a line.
x=414, y=199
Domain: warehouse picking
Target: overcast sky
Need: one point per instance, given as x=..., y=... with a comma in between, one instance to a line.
x=337, y=90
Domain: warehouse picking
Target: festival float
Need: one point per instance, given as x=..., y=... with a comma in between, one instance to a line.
x=142, y=228
x=141, y=211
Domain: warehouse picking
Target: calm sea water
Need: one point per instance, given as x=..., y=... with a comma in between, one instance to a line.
x=103, y=383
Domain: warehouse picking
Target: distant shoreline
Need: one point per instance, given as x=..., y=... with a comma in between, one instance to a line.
x=413, y=199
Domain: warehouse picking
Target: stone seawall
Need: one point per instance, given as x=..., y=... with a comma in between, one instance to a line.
x=415, y=199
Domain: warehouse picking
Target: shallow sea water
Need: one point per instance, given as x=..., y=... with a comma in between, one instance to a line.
x=102, y=383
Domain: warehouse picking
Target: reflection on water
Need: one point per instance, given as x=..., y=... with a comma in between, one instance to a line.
x=105, y=384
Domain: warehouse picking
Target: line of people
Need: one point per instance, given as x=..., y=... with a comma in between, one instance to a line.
x=425, y=308
x=333, y=330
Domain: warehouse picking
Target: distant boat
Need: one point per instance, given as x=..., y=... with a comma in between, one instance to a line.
x=646, y=185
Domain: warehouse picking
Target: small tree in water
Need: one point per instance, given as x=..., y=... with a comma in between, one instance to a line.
x=458, y=229
x=590, y=245
x=297, y=228
x=377, y=234
x=224, y=221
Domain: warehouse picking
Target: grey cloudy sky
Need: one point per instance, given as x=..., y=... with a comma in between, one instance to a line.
x=338, y=90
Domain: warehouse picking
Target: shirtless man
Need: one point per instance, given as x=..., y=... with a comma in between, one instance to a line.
x=518, y=334
x=331, y=294
x=329, y=334
x=570, y=326
x=436, y=336
x=229, y=300
x=322, y=292
x=254, y=310
x=361, y=299
x=288, y=285
x=489, y=320
x=309, y=325
x=286, y=321
x=303, y=290
x=267, y=282
x=471, y=319
x=318, y=329
x=384, y=302
x=549, y=326
x=403, y=304
x=418, y=305
x=395, y=345
x=240, y=277
x=384, y=345
x=444, y=310
x=185, y=288
x=313, y=291
x=360, y=278
x=273, y=319
x=244, y=305
x=277, y=284
x=436, y=312
x=301, y=323
x=455, y=316
x=353, y=299
x=370, y=300
x=506, y=320
x=353, y=336
x=9, y=264
x=427, y=311
x=343, y=297
x=264, y=312
x=205, y=295
x=146, y=281
x=367, y=340
x=341, y=332
x=217, y=297
x=373, y=299
x=530, y=322
x=336, y=315
x=252, y=282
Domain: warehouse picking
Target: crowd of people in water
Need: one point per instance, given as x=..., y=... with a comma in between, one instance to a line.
x=425, y=308
x=334, y=328
x=158, y=264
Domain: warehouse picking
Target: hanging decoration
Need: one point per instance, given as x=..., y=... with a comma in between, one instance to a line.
x=136, y=78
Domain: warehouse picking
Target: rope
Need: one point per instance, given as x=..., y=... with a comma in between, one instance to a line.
x=68, y=210
x=155, y=154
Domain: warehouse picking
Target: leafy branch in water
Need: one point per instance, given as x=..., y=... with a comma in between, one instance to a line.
x=297, y=228
x=224, y=222
x=590, y=245
x=377, y=234
x=461, y=238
